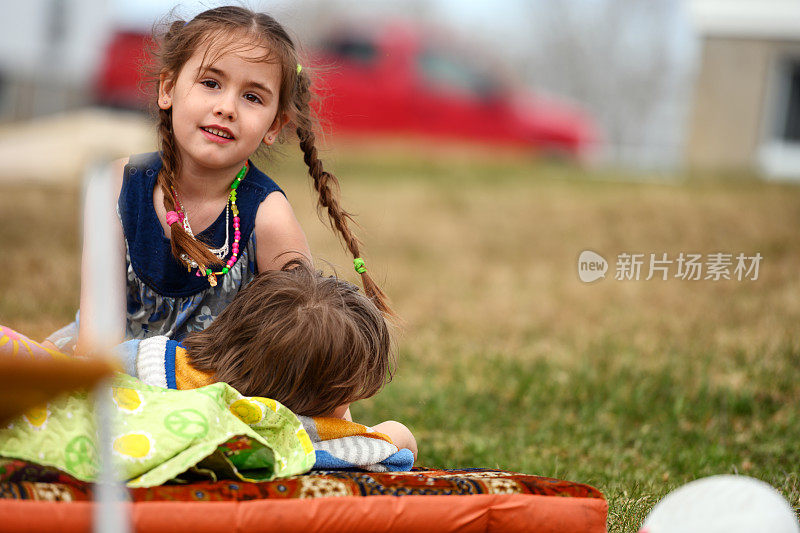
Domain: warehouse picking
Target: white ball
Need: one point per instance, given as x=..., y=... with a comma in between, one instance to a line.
x=722, y=504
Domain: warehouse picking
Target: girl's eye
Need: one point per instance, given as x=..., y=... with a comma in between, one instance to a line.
x=211, y=84
x=253, y=98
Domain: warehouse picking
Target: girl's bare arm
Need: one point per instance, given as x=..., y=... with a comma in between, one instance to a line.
x=279, y=236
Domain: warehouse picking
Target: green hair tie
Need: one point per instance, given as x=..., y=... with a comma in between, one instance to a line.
x=299, y=68
x=358, y=263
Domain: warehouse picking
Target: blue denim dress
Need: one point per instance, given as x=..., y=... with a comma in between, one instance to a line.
x=162, y=297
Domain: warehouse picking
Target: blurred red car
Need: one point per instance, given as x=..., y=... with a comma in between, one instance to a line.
x=391, y=80
x=394, y=80
x=118, y=77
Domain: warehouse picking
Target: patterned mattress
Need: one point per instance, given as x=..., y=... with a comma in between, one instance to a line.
x=36, y=498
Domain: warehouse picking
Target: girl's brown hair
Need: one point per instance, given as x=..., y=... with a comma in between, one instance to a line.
x=220, y=28
x=310, y=341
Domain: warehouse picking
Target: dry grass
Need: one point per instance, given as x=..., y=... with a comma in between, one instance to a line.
x=506, y=358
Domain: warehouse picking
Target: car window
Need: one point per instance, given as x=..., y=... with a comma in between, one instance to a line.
x=440, y=68
x=351, y=49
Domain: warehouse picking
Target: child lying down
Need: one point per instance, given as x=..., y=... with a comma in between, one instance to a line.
x=312, y=342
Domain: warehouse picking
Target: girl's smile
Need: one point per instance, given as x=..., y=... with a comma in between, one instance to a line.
x=217, y=133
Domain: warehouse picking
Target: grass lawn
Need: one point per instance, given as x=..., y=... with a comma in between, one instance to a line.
x=505, y=358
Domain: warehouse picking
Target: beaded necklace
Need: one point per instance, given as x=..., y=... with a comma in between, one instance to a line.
x=230, y=206
x=220, y=252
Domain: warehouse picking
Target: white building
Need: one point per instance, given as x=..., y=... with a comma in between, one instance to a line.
x=746, y=107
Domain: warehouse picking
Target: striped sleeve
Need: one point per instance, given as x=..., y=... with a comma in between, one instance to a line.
x=169, y=363
x=151, y=361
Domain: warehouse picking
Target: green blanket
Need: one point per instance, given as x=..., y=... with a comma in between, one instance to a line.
x=162, y=434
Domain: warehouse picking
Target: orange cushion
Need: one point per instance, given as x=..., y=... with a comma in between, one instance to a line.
x=481, y=512
x=421, y=500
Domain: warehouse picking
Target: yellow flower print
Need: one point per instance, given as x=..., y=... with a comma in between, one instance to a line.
x=133, y=446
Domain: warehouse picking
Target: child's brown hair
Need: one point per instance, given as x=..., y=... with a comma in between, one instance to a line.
x=219, y=28
x=310, y=341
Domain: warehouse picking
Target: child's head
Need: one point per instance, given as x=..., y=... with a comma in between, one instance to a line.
x=312, y=342
x=203, y=67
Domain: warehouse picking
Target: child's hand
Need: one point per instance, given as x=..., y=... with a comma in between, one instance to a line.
x=401, y=436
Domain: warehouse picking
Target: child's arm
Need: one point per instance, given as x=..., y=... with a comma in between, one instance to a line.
x=401, y=436
x=279, y=236
x=90, y=268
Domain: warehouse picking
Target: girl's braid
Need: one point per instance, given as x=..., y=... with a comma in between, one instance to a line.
x=327, y=187
x=181, y=241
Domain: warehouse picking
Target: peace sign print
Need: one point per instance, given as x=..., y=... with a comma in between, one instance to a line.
x=210, y=392
x=80, y=456
x=187, y=423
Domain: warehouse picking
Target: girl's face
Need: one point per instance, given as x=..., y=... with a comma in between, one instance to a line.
x=222, y=112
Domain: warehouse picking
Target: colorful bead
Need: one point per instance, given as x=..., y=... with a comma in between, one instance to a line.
x=173, y=217
x=202, y=270
x=358, y=263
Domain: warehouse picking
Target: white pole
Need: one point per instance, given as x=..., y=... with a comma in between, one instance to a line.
x=104, y=329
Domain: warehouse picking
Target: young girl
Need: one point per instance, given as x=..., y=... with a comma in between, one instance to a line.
x=198, y=219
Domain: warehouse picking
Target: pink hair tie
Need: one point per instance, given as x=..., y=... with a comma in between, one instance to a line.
x=173, y=217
